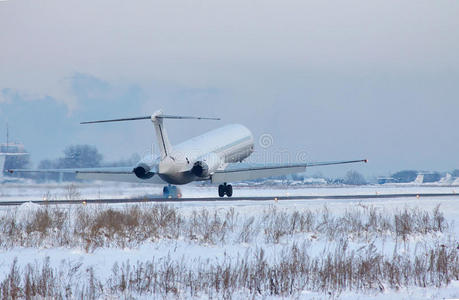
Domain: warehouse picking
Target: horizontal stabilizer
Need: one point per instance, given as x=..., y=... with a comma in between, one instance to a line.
x=159, y=116
x=117, y=120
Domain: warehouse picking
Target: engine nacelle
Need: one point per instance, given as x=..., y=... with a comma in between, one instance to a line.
x=143, y=171
x=200, y=169
x=206, y=165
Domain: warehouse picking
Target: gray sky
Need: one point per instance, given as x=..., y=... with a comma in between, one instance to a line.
x=333, y=79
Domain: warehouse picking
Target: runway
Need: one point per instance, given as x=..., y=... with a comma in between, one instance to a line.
x=420, y=196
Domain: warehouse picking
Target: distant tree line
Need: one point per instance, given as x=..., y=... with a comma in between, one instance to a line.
x=354, y=178
x=74, y=156
x=17, y=162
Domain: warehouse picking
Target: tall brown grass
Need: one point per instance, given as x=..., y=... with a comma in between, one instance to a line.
x=292, y=270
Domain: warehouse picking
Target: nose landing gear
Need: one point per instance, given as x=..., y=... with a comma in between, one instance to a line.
x=170, y=191
x=225, y=189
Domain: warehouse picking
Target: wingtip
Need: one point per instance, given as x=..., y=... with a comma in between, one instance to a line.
x=365, y=160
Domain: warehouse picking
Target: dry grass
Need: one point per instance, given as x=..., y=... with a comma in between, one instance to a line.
x=94, y=227
x=341, y=267
x=294, y=271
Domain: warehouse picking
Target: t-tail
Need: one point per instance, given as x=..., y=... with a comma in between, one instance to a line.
x=157, y=119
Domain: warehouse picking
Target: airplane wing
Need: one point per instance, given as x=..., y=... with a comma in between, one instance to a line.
x=256, y=172
x=120, y=174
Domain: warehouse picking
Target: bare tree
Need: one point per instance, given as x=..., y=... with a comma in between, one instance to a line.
x=354, y=178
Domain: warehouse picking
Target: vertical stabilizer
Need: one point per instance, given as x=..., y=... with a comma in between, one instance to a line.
x=161, y=134
x=419, y=179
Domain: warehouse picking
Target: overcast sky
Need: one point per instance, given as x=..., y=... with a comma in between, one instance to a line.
x=332, y=79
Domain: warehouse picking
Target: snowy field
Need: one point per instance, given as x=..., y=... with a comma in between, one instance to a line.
x=98, y=190
x=404, y=248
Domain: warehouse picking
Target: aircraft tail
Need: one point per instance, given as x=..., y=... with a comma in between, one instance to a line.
x=419, y=179
x=157, y=119
x=161, y=134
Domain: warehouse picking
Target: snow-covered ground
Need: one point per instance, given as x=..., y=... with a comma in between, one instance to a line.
x=98, y=190
x=200, y=252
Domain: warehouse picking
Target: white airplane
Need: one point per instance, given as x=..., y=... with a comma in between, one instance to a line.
x=210, y=156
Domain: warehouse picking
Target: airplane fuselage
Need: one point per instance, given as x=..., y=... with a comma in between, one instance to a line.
x=197, y=158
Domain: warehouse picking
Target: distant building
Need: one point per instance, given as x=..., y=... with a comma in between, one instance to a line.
x=12, y=148
x=10, y=151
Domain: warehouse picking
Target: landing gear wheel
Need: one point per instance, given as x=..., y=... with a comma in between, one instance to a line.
x=221, y=190
x=224, y=189
x=229, y=190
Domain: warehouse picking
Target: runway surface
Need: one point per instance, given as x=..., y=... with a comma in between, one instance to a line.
x=249, y=198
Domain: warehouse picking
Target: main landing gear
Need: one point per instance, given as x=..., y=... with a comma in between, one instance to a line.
x=225, y=189
x=171, y=191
